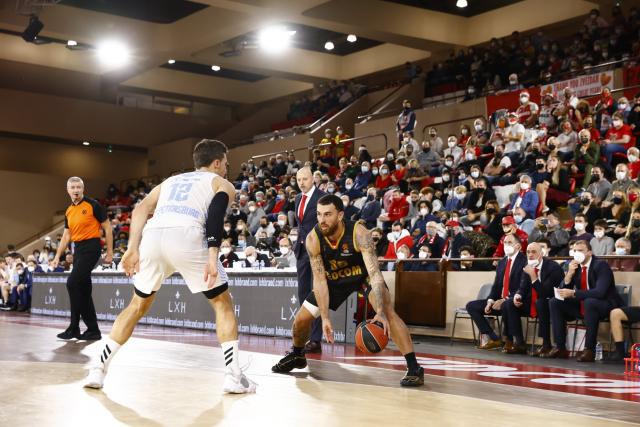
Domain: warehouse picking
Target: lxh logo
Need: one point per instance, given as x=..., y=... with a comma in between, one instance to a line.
x=291, y=312
x=116, y=303
x=50, y=299
x=177, y=306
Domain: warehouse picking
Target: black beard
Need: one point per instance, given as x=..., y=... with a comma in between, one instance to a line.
x=330, y=230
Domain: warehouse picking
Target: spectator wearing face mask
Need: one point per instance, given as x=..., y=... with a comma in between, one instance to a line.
x=406, y=120
x=526, y=198
x=424, y=252
x=227, y=254
x=548, y=228
x=523, y=222
x=350, y=190
x=253, y=258
x=455, y=240
x=633, y=155
x=415, y=175
x=18, y=290
x=398, y=174
x=621, y=183
x=453, y=149
x=343, y=149
x=585, y=205
x=567, y=141
x=281, y=226
x=435, y=142
x=363, y=154
x=618, y=139
x=554, y=189
x=390, y=159
x=383, y=180
x=496, y=167
x=397, y=238
x=456, y=200
x=255, y=214
x=265, y=226
x=601, y=244
x=423, y=217
x=398, y=208
x=364, y=178
x=235, y=214
x=509, y=227
x=579, y=230
x=403, y=253
x=409, y=141
x=228, y=232
x=427, y=158
x=371, y=209
x=599, y=186
x=528, y=110
x=480, y=131
x=285, y=251
x=586, y=156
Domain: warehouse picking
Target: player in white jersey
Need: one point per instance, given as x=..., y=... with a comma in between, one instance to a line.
x=184, y=235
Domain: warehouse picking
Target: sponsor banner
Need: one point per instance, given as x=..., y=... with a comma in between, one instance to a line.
x=265, y=303
x=540, y=377
x=582, y=86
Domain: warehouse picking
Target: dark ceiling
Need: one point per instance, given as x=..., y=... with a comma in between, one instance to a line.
x=157, y=11
x=192, y=67
x=475, y=7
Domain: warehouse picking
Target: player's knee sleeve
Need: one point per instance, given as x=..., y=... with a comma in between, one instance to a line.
x=218, y=290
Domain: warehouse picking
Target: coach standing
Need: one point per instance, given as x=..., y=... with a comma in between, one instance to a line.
x=307, y=218
x=82, y=223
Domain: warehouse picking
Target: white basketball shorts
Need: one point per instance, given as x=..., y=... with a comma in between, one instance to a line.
x=163, y=251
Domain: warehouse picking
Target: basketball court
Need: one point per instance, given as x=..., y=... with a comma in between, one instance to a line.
x=165, y=376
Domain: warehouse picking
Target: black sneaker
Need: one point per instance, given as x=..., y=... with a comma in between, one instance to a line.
x=289, y=362
x=69, y=334
x=90, y=336
x=413, y=379
x=615, y=357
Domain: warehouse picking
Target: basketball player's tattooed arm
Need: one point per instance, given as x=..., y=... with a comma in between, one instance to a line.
x=139, y=218
x=368, y=251
x=320, y=287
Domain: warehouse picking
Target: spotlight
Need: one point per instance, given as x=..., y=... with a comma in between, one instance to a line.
x=215, y=67
x=462, y=3
x=329, y=45
x=275, y=39
x=171, y=61
x=351, y=38
x=33, y=29
x=109, y=148
x=86, y=143
x=113, y=53
x=72, y=43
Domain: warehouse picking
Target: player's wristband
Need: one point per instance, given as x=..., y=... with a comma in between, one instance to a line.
x=215, y=219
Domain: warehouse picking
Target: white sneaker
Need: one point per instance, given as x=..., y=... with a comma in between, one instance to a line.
x=238, y=383
x=95, y=378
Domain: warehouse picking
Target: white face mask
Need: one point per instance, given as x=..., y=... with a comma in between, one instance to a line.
x=348, y=186
x=384, y=171
x=524, y=185
x=469, y=156
x=284, y=250
x=621, y=175
x=252, y=209
x=374, y=171
x=405, y=139
x=459, y=196
x=464, y=131
x=396, y=234
x=281, y=222
x=617, y=123
x=475, y=174
x=533, y=262
x=579, y=226
x=31, y=269
x=227, y=229
x=251, y=259
x=239, y=228
x=423, y=255
x=509, y=250
x=599, y=234
x=390, y=156
x=293, y=237
x=518, y=218
x=632, y=158
x=524, y=99
x=448, y=163
x=445, y=178
x=401, y=255
x=424, y=211
x=451, y=144
x=621, y=251
x=579, y=257
x=478, y=128
x=225, y=250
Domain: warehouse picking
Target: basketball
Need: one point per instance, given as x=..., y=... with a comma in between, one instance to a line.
x=370, y=337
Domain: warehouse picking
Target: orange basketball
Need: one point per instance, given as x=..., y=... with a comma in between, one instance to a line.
x=370, y=337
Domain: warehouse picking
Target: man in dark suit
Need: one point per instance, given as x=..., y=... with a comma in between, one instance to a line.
x=589, y=292
x=540, y=277
x=505, y=285
x=306, y=219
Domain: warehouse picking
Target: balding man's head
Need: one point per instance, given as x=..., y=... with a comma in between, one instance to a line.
x=304, y=177
x=534, y=253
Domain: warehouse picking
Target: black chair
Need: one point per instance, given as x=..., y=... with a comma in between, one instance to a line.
x=461, y=313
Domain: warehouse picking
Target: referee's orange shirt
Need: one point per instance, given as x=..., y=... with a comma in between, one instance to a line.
x=83, y=220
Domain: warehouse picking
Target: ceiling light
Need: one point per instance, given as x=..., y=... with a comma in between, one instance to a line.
x=113, y=53
x=33, y=29
x=215, y=67
x=351, y=38
x=86, y=143
x=275, y=39
x=462, y=3
x=329, y=45
x=171, y=61
x=72, y=43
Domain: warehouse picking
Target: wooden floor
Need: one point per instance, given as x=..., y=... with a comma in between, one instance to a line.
x=158, y=382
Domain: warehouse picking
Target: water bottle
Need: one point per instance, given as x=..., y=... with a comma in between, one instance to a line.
x=598, y=351
x=261, y=264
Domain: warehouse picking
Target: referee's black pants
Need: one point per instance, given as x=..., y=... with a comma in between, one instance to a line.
x=85, y=257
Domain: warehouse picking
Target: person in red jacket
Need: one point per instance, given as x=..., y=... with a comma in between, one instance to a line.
x=619, y=138
x=397, y=238
x=383, y=180
x=398, y=209
x=509, y=227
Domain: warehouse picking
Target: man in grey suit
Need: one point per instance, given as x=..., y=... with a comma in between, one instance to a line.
x=306, y=219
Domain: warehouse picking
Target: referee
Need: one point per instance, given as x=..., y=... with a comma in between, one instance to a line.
x=82, y=223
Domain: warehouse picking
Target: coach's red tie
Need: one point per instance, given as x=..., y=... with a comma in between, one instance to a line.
x=534, y=298
x=301, y=209
x=583, y=286
x=505, y=280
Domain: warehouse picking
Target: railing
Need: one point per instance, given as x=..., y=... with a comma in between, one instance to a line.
x=357, y=138
x=385, y=102
x=275, y=153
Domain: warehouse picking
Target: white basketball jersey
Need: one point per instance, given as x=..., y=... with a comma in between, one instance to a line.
x=184, y=201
